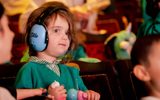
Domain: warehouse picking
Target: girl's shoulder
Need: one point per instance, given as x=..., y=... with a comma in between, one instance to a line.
x=68, y=67
x=30, y=65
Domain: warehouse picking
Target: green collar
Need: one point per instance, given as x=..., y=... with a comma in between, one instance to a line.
x=52, y=66
x=37, y=60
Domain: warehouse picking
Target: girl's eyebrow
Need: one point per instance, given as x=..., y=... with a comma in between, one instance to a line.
x=60, y=27
x=57, y=27
x=53, y=27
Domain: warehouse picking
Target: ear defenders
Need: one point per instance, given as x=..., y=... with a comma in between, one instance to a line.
x=38, y=39
x=38, y=36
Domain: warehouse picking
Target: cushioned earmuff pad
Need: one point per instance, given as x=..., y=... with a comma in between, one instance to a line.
x=38, y=37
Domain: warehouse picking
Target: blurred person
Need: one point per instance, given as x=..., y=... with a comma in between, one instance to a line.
x=145, y=57
x=152, y=24
x=6, y=39
x=88, y=11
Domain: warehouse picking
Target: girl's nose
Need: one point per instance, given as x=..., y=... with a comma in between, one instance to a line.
x=65, y=36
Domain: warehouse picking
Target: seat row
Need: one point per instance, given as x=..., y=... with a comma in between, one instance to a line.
x=112, y=79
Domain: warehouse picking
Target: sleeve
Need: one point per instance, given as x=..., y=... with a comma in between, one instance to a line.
x=81, y=84
x=78, y=79
x=24, y=78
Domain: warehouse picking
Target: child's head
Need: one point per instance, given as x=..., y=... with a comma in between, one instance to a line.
x=60, y=32
x=6, y=37
x=145, y=57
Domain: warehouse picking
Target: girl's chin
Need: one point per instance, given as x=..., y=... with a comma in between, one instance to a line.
x=61, y=54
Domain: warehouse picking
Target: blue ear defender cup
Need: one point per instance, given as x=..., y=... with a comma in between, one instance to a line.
x=38, y=37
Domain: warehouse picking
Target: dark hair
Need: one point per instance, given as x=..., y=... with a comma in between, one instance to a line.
x=141, y=49
x=139, y=55
x=152, y=8
x=1, y=10
x=63, y=11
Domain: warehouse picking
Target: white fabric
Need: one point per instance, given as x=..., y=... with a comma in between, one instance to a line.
x=150, y=98
x=5, y=94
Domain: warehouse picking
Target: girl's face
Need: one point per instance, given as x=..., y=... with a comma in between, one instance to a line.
x=59, y=41
x=6, y=39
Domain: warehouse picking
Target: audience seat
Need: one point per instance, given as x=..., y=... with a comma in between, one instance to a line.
x=124, y=70
x=8, y=73
x=111, y=25
x=95, y=50
x=102, y=77
x=113, y=80
x=94, y=45
x=100, y=84
x=109, y=50
x=95, y=38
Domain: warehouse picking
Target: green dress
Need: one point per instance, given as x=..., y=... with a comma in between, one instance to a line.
x=36, y=75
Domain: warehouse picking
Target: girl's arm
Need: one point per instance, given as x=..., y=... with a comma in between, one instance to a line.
x=25, y=93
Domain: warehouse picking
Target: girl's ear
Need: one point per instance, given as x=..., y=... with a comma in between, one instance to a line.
x=141, y=73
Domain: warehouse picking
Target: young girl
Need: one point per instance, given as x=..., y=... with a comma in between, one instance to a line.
x=50, y=34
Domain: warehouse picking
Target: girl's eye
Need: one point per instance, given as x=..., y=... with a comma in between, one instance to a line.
x=56, y=30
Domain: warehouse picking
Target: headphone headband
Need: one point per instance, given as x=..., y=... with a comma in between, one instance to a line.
x=47, y=12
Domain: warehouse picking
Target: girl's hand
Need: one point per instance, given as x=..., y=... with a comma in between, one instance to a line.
x=50, y=97
x=59, y=92
x=40, y=91
x=92, y=95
